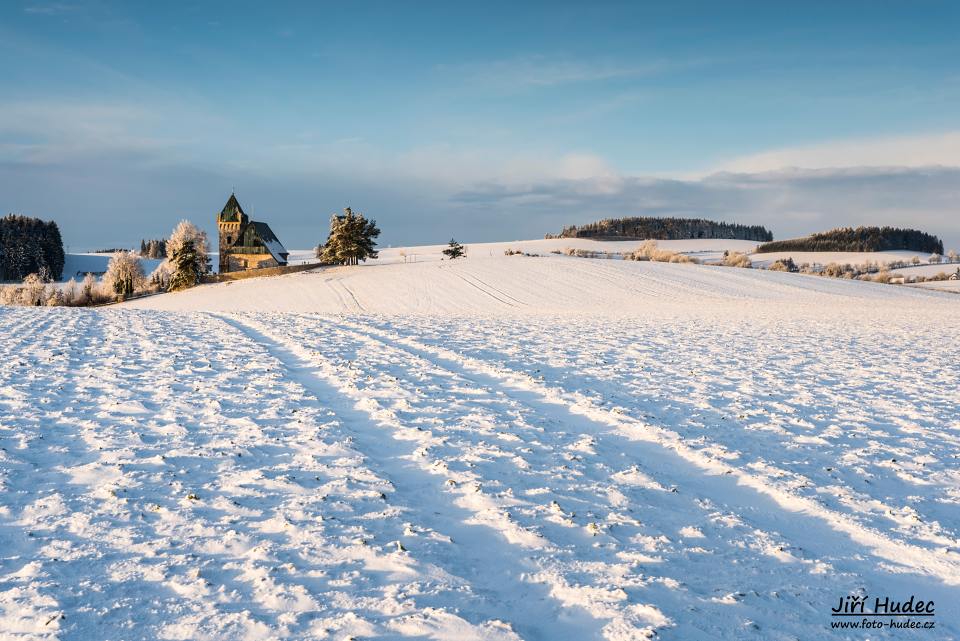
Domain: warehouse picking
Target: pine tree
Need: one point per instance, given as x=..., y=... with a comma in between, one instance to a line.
x=351, y=239
x=454, y=250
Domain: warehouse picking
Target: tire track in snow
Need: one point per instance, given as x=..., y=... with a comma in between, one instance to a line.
x=491, y=287
x=584, y=486
x=801, y=514
x=485, y=291
x=495, y=568
x=352, y=296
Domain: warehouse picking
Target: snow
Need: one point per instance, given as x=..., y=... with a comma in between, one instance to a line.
x=497, y=448
x=928, y=270
x=939, y=285
x=490, y=282
x=841, y=258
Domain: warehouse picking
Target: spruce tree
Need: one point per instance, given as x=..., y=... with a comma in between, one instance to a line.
x=185, y=272
x=187, y=256
x=454, y=250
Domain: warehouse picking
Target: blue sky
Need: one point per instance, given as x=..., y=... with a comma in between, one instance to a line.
x=486, y=121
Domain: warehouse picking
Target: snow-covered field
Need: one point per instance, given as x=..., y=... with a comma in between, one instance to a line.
x=928, y=270
x=507, y=448
x=490, y=283
x=952, y=286
x=841, y=258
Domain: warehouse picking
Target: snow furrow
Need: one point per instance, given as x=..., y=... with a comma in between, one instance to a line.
x=897, y=553
x=494, y=570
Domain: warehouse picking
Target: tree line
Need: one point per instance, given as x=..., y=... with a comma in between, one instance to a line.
x=859, y=239
x=154, y=248
x=645, y=227
x=30, y=246
x=185, y=264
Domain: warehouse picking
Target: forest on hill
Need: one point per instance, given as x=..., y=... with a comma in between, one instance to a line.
x=860, y=239
x=664, y=229
x=30, y=246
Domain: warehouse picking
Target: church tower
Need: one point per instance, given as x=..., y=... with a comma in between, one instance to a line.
x=246, y=244
x=231, y=223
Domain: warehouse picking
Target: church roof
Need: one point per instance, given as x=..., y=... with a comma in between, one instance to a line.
x=232, y=211
x=271, y=242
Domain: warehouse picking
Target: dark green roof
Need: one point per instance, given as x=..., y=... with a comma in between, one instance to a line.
x=232, y=211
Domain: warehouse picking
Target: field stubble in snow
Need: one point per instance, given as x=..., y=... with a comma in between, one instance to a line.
x=712, y=474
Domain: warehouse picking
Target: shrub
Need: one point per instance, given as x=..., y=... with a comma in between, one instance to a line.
x=783, y=265
x=736, y=259
x=649, y=251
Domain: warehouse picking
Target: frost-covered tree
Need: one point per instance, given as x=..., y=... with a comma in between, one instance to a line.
x=187, y=252
x=454, y=250
x=160, y=278
x=71, y=292
x=351, y=239
x=33, y=290
x=88, y=289
x=124, y=275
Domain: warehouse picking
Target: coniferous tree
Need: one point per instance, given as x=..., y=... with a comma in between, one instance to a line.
x=351, y=239
x=454, y=250
x=187, y=256
x=860, y=239
x=651, y=228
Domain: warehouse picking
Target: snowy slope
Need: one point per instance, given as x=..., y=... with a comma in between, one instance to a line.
x=525, y=285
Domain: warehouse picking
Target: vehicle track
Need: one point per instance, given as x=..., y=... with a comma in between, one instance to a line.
x=496, y=570
x=804, y=514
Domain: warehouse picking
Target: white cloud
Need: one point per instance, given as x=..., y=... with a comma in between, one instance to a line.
x=789, y=202
x=941, y=149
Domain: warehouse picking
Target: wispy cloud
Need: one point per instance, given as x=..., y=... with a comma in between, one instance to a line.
x=540, y=71
x=939, y=149
x=50, y=8
x=40, y=132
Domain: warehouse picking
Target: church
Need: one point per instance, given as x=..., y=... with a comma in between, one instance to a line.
x=246, y=244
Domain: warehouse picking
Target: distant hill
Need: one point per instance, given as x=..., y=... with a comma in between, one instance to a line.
x=861, y=239
x=665, y=229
